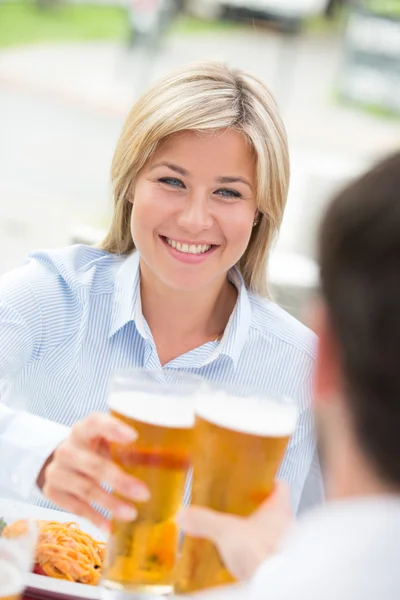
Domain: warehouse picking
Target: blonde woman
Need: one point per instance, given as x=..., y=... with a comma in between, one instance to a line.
x=200, y=178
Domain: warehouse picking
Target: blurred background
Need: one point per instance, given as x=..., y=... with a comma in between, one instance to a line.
x=70, y=70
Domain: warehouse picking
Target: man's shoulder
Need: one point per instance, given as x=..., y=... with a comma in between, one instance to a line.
x=275, y=324
x=340, y=550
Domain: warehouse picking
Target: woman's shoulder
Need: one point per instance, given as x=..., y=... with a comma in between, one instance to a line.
x=272, y=321
x=66, y=272
x=79, y=267
x=73, y=260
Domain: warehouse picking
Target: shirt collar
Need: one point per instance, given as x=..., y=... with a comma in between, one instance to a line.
x=236, y=331
x=126, y=301
x=127, y=307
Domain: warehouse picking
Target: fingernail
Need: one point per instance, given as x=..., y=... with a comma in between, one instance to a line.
x=127, y=513
x=140, y=494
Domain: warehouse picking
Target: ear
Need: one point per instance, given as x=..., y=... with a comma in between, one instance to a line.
x=327, y=382
x=256, y=218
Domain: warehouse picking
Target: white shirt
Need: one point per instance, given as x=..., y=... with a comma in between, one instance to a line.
x=344, y=550
x=71, y=316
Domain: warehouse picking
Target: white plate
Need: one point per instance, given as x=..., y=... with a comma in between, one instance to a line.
x=47, y=586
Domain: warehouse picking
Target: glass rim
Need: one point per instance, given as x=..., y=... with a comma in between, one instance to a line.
x=129, y=374
x=246, y=414
x=145, y=395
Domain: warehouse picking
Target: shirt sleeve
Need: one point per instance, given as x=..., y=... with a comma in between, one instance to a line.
x=26, y=441
x=298, y=461
x=20, y=323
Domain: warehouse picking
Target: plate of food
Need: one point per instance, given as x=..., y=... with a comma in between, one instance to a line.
x=69, y=551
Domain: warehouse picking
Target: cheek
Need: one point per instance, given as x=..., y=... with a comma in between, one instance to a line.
x=238, y=226
x=149, y=210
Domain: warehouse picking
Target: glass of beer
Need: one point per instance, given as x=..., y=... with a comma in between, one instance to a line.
x=17, y=549
x=11, y=581
x=159, y=405
x=238, y=445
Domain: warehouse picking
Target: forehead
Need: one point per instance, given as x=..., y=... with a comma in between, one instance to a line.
x=216, y=153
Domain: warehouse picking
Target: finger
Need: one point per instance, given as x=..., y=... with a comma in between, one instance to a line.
x=76, y=506
x=279, y=500
x=206, y=523
x=281, y=494
x=91, y=492
x=97, y=469
x=230, y=534
x=98, y=425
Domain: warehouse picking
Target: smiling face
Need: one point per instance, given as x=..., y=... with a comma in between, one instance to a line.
x=194, y=205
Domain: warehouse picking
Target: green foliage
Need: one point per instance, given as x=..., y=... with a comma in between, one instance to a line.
x=2, y=525
x=30, y=21
x=384, y=7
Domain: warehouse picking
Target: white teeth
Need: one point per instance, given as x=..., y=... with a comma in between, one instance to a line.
x=188, y=249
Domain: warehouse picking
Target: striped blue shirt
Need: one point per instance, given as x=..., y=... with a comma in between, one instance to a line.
x=70, y=317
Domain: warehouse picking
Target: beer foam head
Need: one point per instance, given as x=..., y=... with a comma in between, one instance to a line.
x=11, y=579
x=154, y=409
x=252, y=415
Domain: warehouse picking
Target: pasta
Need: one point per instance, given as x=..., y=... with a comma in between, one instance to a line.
x=64, y=551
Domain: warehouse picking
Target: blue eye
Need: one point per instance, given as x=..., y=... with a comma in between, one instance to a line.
x=172, y=181
x=227, y=193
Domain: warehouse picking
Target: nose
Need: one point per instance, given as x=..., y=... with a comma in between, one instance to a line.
x=195, y=216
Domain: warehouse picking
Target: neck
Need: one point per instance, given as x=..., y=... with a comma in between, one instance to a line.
x=355, y=478
x=349, y=473
x=179, y=320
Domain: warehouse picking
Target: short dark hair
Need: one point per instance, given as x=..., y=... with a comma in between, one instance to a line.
x=359, y=252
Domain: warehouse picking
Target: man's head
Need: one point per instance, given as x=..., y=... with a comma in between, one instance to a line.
x=358, y=371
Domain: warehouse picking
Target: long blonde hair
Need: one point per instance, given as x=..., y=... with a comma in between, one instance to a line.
x=202, y=97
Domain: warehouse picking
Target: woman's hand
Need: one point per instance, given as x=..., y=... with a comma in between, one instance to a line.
x=73, y=475
x=243, y=543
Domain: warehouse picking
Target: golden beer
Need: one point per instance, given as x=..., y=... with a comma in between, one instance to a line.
x=238, y=445
x=142, y=554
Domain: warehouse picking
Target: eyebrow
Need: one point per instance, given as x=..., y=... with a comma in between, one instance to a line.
x=185, y=173
x=175, y=168
x=234, y=180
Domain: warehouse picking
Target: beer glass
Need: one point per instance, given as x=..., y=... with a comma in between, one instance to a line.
x=16, y=559
x=238, y=445
x=159, y=405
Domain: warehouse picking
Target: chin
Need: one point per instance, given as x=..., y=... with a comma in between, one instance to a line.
x=187, y=285
x=187, y=280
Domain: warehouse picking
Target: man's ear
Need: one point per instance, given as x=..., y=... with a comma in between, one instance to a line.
x=328, y=380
